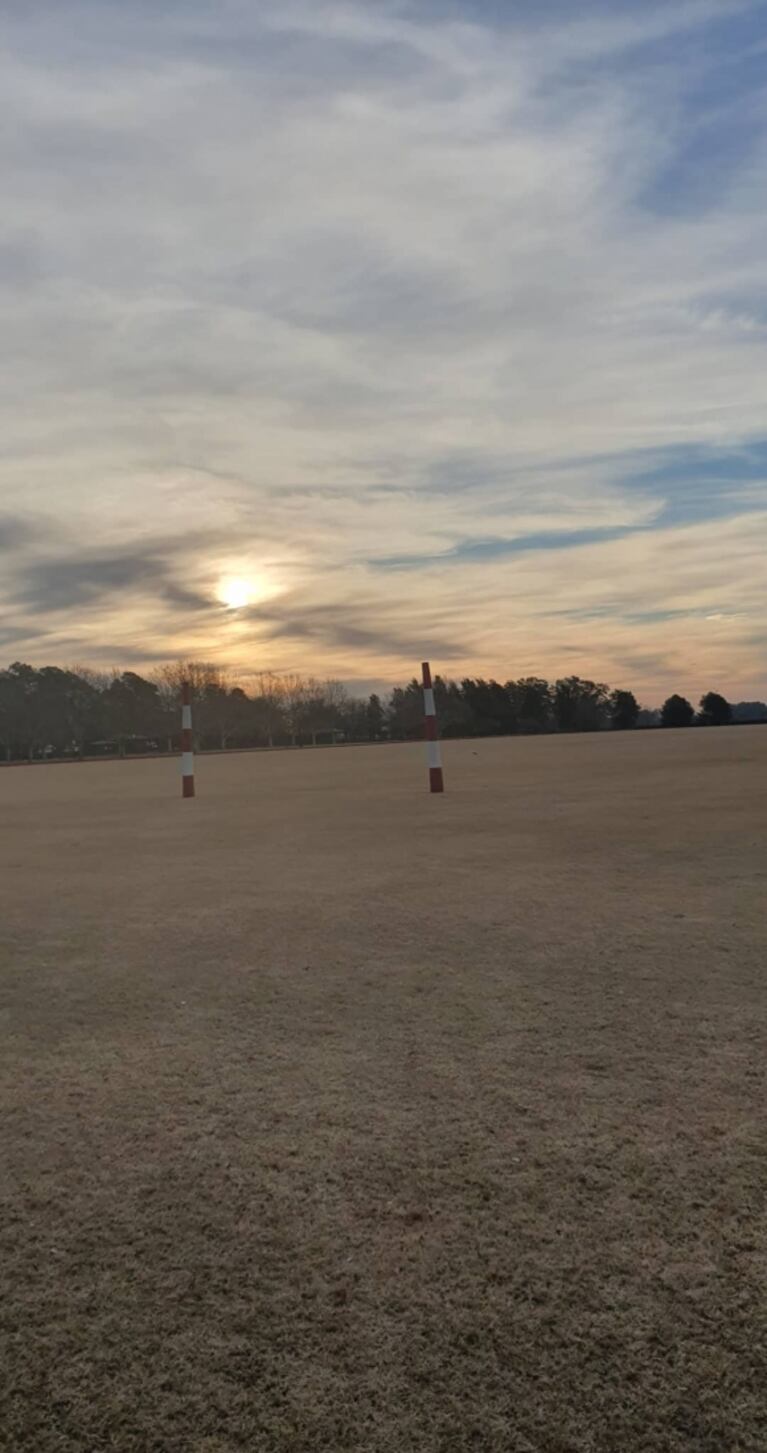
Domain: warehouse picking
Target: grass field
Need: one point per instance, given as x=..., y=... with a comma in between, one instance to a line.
x=339, y=1117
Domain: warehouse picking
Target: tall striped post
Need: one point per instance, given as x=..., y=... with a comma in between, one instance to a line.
x=187, y=746
x=433, y=754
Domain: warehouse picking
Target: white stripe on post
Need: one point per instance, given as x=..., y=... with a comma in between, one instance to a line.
x=433, y=754
x=187, y=745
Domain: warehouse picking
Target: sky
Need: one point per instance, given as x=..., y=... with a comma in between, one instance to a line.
x=408, y=330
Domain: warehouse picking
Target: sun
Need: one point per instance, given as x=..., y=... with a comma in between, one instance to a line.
x=234, y=593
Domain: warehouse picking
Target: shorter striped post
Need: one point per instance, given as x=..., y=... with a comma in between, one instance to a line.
x=187, y=747
x=433, y=754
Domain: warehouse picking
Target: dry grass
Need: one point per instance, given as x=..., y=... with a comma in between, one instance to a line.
x=337, y=1117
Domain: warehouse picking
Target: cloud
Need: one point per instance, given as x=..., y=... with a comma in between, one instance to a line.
x=16, y=531
x=85, y=578
x=309, y=291
x=353, y=626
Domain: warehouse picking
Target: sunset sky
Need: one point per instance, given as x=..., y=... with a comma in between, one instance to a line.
x=408, y=329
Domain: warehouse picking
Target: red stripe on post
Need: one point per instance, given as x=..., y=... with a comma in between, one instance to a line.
x=431, y=733
x=187, y=741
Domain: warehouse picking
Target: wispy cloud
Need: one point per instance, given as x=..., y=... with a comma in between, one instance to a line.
x=310, y=289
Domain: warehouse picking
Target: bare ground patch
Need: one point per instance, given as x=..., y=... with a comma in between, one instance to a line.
x=339, y=1117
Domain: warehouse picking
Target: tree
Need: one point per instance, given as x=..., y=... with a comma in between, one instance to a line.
x=750, y=711
x=580, y=706
x=88, y=705
x=624, y=710
x=405, y=711
x=21, y=708
x=492, y=710
x=454, y=715
x=268, y=711
x=7, y=704
x=70, y=708
x=132, y=708
x=222, y=712
x=353, y=720
x=321, y=707
x=207, y=682
x=376, y=719
x=531, y=700
x=715, y=710
x=336, y=699
x=53, y=709
x=676, y=711
x=292, y=690
x=48, y=709
x=241, y=712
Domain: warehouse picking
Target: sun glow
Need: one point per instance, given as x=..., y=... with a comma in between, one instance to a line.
x=234, y=592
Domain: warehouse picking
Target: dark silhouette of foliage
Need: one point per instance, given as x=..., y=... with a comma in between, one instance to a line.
x=715, y=710
x=624, y=711
x=453, y=712
x=531, y=698
x=375, y=718
x=131, y=710
x=64, y=712
x=677, y=711
x=491, y=708
x=580, y=706
x=406, y=711
x=750, y=711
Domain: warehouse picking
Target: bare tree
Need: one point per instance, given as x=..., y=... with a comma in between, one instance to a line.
x=208, y=683
x=322, y=707
x=224, y=712
x=269, y=706
x=199, y=674
x=292, y=690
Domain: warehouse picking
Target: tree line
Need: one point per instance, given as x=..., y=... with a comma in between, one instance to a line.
x=57, y=712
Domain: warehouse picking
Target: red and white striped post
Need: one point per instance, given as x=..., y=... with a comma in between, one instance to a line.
x=187, y=745
x=433, y=754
